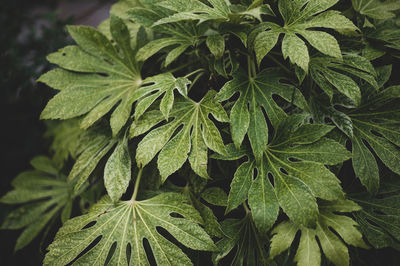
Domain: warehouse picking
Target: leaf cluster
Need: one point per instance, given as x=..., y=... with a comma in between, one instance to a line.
x=250, y=131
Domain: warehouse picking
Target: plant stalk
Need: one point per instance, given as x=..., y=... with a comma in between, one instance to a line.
x=137, y=182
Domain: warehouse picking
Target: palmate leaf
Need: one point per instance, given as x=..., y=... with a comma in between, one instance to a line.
x=123, y=226
x=162, y=84
x=379, y=218
x=300, y=17
x=255, y=93
x=94, y=77
x=376, y=9
x=295, y=159
x=220, y=11
x=308, y=252
x=326, y=72
x=251, y=246
x=195, y=133
x=43, y=195
x=179, y=36
x=376, y=122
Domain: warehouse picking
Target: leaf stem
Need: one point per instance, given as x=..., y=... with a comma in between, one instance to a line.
x=194, y=72
x=180, y=67
x=249, y=67
x=195, y=80
x=246, y=208
x=137, y=182
x=279, y=64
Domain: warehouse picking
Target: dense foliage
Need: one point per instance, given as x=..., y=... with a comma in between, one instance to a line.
x=229, y=132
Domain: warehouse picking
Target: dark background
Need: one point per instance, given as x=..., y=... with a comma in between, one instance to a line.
x=30, y=29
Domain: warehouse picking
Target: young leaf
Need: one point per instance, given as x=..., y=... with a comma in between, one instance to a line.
x=379, y=218
x=308, y=252
x=376, y=122
x=95, y=77
x=298, y=172
x=249, y=243
x=255, y=93
x=44, y=195
x=192, y=140
x=376, y=9
x=299, y=18
x=125, y=225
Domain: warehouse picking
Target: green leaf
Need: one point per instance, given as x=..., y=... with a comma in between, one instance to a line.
x=249, y=243
x=162, y=84
x=196, y=133
x=256, y=93
x=263, y=202
x=299, y=19
x=43, y=196
x=376, y=122
x=93, y=146
x=99, y=77
x=240, y=186
x=295, y=48
x=195, y=10
x=117, y=172
x=155, y=46
x=308, y=251
x=128, y=223
x=215, y=196
x=327, y=73
x=376, y=9
x=216, y=44
x=379, y=218
x=298, y=172
x=44, y=164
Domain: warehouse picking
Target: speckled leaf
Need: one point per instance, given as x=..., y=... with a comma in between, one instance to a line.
x=240, y=185
x=99, y=77
x=295, y=48
x=215, y=196
x=308, y=251
x=216, y=44
x=127, y=224
x=117, y=172
x=93, y=146
x=296, y=183
x=263, y=202
x=323, y=42
x=264, y=42
x=41, y=197
x=157, y=86
x=302, y=17
x=191, y=140
x=327, y=73
x=256, y=93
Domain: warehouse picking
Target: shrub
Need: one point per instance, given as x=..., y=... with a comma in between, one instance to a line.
x=243, y=132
